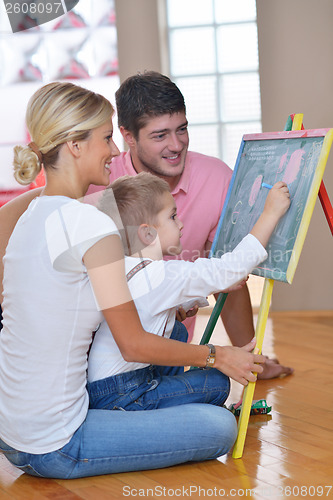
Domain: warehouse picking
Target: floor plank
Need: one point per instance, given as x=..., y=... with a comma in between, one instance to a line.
x=288, y=449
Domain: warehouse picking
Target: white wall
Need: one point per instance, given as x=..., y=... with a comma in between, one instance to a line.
x=296, y=75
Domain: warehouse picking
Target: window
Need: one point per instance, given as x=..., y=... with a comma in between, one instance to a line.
x=80, y=46
x=213, y=57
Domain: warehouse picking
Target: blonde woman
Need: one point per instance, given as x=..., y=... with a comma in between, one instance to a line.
x=64, y=272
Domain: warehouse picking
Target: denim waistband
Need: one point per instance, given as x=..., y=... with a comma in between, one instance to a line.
x=123, y=381
x=5, y=447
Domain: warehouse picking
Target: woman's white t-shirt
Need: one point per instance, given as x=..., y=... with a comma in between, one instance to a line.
x=49, y=314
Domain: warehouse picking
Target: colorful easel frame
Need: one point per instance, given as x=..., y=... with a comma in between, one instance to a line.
x=261, y=156
x=294, y=122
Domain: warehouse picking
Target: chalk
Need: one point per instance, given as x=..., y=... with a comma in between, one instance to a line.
x=268, y=186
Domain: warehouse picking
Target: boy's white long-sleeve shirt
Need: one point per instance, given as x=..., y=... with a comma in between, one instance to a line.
x=161, y=287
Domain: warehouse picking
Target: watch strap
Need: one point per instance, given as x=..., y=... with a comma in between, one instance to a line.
x=210, y=361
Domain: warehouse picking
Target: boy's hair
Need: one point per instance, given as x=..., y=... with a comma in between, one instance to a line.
x=144, y=96
x=138, y=200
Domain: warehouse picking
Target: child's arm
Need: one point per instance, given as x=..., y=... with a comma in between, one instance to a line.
x=277, y=203
x=226, y=273
x=104, y=262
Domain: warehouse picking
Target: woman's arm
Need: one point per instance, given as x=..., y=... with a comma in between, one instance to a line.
x=9, y=215
x=105, y=265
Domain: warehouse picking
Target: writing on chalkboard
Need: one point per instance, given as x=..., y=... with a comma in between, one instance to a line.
x=296, y=158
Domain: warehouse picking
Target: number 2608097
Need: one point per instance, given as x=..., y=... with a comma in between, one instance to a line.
x=33, y=8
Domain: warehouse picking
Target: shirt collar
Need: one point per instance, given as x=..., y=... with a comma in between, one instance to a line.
x=183, y=183
x=129, y=165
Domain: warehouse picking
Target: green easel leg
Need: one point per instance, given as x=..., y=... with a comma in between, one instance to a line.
x=213, y=318
x=289, y=124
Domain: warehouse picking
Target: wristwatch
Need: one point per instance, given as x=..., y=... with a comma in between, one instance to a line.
x=211, y=356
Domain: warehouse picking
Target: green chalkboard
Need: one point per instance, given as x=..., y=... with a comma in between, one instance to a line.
x=297, y=158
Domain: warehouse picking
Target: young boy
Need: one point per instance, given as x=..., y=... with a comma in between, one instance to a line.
x=151, y=229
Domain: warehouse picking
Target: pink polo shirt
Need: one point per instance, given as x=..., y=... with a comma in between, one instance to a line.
x=199, y=197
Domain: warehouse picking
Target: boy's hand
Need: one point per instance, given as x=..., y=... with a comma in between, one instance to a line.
x=276, y=205
x=277, y=201
x=181, y=314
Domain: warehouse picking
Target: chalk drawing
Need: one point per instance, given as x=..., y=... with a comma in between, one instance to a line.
x=293, y=167
x=235, y=213
x=255, y=190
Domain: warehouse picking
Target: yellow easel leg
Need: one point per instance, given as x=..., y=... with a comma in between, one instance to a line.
x=297, y=121
x=249, y=390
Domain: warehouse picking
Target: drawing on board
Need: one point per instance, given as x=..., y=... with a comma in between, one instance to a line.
x=293, y=157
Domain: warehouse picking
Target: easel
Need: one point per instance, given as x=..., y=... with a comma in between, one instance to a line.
x=294, y=122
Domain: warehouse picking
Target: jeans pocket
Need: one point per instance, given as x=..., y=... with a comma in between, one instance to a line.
x=20, y=460
x=55, y=464
x=28, y=469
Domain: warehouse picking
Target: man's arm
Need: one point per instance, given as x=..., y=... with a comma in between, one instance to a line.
x=9, y=215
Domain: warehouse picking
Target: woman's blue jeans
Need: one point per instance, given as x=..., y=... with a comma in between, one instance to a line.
x=121, y=441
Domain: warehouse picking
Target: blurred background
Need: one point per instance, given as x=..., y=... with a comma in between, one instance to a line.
x=243, y=66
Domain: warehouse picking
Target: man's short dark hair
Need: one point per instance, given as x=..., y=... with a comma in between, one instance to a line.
x=146, y=95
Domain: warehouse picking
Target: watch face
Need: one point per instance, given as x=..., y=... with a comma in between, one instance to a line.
x=211, y=361
x=211, y=356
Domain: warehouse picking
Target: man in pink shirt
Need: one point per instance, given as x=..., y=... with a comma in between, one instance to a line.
x=152, y=120
x=199, y=195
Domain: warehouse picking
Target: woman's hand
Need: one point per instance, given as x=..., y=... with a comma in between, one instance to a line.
x=239, y=363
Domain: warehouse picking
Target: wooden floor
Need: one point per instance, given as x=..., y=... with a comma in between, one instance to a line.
x=288, y=454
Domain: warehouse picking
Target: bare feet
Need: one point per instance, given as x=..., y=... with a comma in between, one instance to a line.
x=273, y=369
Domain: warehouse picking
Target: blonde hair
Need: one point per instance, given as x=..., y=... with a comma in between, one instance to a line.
x=138, y=199
x=56, y=113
